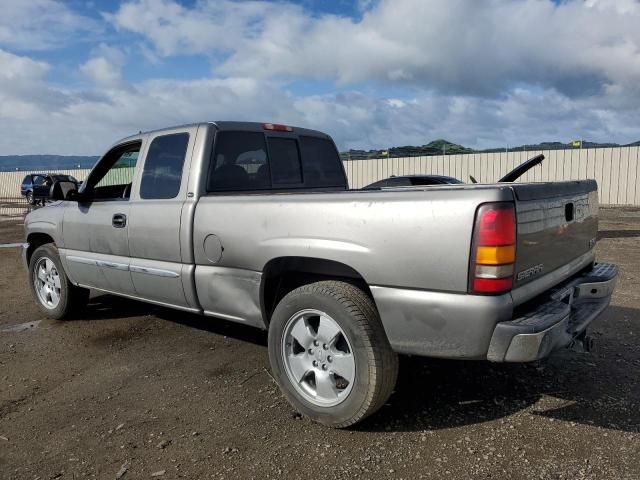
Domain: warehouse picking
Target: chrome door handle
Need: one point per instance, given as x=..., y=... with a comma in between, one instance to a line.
x=119, y=220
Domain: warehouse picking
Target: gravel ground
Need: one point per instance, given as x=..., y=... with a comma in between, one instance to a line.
x=135, y=391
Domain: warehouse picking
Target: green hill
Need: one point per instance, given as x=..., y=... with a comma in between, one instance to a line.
x=441, y=146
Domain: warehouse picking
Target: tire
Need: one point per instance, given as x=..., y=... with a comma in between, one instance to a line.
x=29, y=198
x=373, y=368
x=55, y=295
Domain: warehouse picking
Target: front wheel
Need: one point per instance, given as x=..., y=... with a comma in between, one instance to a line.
x=56, y=296
x=330, y=354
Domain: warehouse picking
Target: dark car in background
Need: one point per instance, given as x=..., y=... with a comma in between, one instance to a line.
x=412, y=181
x=422, y=180
x=36, y=186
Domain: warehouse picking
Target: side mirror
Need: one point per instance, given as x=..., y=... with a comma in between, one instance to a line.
x=63, y=190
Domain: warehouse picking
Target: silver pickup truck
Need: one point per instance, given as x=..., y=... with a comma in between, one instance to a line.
x=254, y=223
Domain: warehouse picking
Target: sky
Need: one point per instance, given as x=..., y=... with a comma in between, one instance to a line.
x=77, y=75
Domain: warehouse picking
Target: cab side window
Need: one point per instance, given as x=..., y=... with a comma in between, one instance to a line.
x=162, y=174
x=38, y=180
x=111, y=178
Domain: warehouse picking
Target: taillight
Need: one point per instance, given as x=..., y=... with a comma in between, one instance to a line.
x=276, y=127
x=493, y=250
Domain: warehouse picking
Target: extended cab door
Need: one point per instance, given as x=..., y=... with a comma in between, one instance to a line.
x=95, y=229
x=156, y=216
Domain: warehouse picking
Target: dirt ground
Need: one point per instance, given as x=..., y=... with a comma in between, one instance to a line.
x=131, y=390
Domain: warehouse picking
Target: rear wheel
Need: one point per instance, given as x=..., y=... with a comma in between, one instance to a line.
x=56, y=296
x=29, y=198
x=329, y=353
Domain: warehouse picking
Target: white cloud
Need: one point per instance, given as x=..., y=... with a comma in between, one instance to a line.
x=454, y=46
x=41, y=118
x=396, y=102
x=104, y=68
x=19, y=69
x=211, y=25
x=491, y=73
x=41, y=24
x=103, y=72
x=20, y=78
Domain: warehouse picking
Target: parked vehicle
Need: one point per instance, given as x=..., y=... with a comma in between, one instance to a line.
x=254, y=223
x=36, y=186
x=417, y=180
x=412, y=181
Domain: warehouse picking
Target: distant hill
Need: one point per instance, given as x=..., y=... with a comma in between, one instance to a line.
x=436, y=147
x=552, y=146
x=440, y=146
x=44, y=162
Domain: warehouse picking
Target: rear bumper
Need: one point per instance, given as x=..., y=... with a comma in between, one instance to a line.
x=555, y=322
x=440, y=324
x=475, y=327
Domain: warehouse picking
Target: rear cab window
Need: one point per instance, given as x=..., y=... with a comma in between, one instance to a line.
x=250, y=161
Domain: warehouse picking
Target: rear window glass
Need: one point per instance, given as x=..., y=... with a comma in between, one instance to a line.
x=64, y=178
x=285, y=161
x=162, y=174
x=239, y=162
x=320, y=162
x=426, y=181
x=247, y=161
x=435, y=180
x=391, y=182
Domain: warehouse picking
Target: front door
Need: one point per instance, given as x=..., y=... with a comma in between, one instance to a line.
x=40, y=187
x=96, y=229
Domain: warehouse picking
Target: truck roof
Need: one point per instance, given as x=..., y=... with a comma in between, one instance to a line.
x=228, y=125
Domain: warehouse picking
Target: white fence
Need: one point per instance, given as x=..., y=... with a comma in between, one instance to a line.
x=10, y=181
x=617, y=170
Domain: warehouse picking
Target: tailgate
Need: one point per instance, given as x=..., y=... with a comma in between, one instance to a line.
x=557, y=223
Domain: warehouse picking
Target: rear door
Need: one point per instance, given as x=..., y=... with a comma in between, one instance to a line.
x=155, y=241
x=26, y=185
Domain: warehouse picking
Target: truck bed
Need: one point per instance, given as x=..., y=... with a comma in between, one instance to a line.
x=356, y=228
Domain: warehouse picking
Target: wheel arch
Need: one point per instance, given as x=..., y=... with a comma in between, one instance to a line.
x=284, y=274
x=36, y=240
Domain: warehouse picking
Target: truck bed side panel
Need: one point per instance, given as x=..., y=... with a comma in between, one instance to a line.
x=412, y=239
